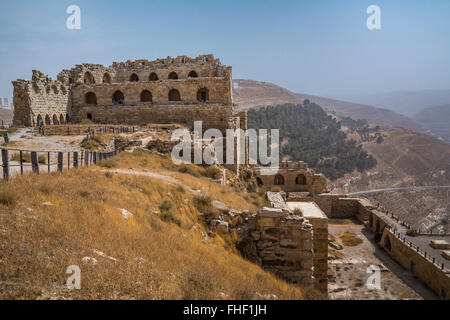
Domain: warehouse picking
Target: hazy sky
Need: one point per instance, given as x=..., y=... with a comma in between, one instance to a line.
x=316, y=47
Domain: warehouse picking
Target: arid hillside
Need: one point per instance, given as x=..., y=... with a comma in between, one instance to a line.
x=134, y=235
x=404, y=158
x=252, y=94
x=436, y=120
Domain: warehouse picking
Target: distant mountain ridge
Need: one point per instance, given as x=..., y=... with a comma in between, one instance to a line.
x=436, y=120
x=253, y=94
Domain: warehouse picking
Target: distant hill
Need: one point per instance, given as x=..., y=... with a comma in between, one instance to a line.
x=404, y=102
x=436, y=120
x=309, y=134
x=253, y=94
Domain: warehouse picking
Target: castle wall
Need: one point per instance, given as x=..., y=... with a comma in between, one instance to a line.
x=40, y=97
x=438, y=280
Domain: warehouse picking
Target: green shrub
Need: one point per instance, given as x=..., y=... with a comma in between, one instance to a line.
x=189, y=169
x=213, y=173
x=167, y=212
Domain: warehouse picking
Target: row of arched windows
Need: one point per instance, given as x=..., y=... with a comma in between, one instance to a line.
x=146, y=96
x=279, y=180
x=89, y=78
x=47, y=120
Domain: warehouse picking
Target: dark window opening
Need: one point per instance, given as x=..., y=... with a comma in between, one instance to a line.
x=193, y=74
x=89, y=116
x=173, y=76
x=203, y=95
x=301, y=179
x=118, y=97
x=279, y=180
x=146, y=96
x=90, y=98
x=174, y=95
x=153, y=76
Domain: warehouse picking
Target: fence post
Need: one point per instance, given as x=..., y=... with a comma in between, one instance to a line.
x=48, y=161
x=68, y=160
x=86, y=158
x=34, y=162
x=75, y=159
x=60, y=161
x=21, y=162
x=5, y=159
x=94, y=156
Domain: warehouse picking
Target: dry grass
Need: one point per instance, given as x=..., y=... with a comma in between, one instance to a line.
x=349, y=239
x=156, y=258
x=335, y=253
x=146, y=161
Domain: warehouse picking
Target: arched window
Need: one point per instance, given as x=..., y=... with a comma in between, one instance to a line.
x=47, y=119
x=55, y=119
x=153, y=77
x=89, y=116
x=90, y=98
x=174, y=95
x=301, y=179
x=134, y=77
x=89, y=78
x=146, y=96
x=279, y=180
x=106, y=78
x=193, y=74
x=39, y=120
x=118, y=97
x=203, y=95
x=61, y=119
x=173, y=76
x=259, y=181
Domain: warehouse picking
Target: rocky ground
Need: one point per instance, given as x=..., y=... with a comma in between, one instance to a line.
x=348, y=268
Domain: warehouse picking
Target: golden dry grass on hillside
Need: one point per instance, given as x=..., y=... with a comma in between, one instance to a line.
x=52, y=221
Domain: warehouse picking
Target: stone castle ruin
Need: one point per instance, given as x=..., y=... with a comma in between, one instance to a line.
x=172, y=90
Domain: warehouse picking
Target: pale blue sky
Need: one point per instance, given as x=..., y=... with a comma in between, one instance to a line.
x=317, y=47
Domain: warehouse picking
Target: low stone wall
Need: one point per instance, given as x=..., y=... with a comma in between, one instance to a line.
x=438, y=280
x=281, y=243
x=82, y=129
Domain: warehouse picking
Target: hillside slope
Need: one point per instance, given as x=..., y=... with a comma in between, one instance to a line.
x=252, y=94
x=133, y=237
x=436, y=120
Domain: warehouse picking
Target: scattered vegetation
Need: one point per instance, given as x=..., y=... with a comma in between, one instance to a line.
x=152, y=259
x=349, y=239
x=92, y=142
x=26, y=158
x=314, y=137
x=108, y=163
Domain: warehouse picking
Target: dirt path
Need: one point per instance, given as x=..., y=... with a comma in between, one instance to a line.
x=168, y=179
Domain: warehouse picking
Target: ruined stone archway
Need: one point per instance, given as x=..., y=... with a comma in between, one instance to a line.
x=61, y=119
x=89, y=78
x=300, y=179
x=38, y=120
x=47, y=119
x=118, y=97
x=259, y=182
x=146, y=96
x=174, y=95
x=173, y=75
x=134, y=77
x=153, y=77
x=193, y=74
x=55, y=119
x=203, y=95
x=90, y=98
x=106, y=78
x=279, y=180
